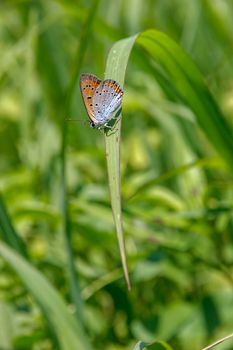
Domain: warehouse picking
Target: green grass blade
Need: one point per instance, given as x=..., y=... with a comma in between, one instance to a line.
x=8, y=231
x=204, y=162
x=182, y=73
x=218, y=342
x=81, y=50
x=68, y=330
x=115, y=69
x=190, y=85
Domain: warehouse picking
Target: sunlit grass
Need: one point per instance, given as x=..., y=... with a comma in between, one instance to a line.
x=175, y=173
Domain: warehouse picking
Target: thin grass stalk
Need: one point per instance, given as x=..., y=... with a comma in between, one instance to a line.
x=10, y=236
x=211, y=346
x=81, y=50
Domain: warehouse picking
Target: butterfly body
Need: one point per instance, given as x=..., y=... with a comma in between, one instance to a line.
x=101, y=98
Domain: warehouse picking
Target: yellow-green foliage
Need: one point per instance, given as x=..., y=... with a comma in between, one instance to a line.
x=61, y=280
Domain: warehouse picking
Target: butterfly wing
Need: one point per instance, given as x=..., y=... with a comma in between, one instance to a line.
x=88, y=85
x=106, y=100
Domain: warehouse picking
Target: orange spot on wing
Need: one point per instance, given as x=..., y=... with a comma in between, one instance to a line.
x=88, y=86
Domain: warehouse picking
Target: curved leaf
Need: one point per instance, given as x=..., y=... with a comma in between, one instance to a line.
x=186, y=79
x=68, y=330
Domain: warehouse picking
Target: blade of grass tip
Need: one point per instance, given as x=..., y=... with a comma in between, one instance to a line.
x=115, y=69
x=81, y=50
x=9, y=233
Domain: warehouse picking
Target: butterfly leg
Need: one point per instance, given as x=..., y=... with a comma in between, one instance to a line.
x=107, y=126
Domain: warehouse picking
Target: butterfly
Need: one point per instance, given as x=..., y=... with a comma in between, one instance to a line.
x=101, y=98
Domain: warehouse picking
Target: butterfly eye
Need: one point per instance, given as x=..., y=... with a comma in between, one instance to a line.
x=92, y=124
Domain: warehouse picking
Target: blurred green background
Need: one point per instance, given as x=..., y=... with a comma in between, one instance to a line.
x=177, y=193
